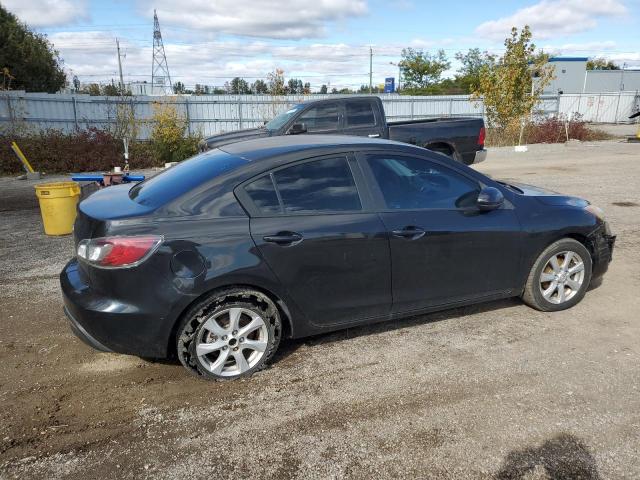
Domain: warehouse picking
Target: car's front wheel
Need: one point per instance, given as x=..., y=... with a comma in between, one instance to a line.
x=560, y=276
x=229, y=335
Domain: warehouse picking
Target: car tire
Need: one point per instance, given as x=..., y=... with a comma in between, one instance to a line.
x=229, y=335
x=559, y=277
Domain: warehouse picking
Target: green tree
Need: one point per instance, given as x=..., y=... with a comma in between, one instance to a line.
x=600, y=63
x=260, y=87
x=507, y=85
x=178, y=88
x=295, y=85
x=420, y=69
x=239, y=86
x=468, y=75
x=110, y=89
x=323, y=89
x=29, y=57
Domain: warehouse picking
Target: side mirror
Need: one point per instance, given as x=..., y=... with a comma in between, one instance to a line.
x=489, y=198
x=297, y=128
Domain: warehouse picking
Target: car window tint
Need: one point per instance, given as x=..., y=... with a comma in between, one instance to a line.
x=321, y=118
x=360, y=114
x=320, y=186
x=412, y=183
x=185, y=176
x=263, y=195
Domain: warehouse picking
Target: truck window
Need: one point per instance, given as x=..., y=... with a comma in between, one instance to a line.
x=360, y=114
x=321, y=118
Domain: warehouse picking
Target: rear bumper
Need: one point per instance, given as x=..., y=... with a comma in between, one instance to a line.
x=111, y=325
x=481, y=156
x=82, y=334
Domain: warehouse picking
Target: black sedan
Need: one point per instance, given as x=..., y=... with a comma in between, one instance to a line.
x=218, y=258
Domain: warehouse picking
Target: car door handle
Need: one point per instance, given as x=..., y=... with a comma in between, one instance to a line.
x=283, y=238
x=374, y=135
x=410, y=233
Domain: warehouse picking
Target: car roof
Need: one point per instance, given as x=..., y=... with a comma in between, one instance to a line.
x=264, y=148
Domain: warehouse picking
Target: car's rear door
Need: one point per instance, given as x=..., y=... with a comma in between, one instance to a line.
x=443, y=249
x=317, y=234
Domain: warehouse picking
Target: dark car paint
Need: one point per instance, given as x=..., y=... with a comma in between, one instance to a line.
x=211, y=242
x=458, y=135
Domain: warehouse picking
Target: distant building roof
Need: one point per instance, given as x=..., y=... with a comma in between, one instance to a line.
x=568, y=59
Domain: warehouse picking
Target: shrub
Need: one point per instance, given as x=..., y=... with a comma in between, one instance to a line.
x=548, y=130
x=89, y=150
x=168, y=139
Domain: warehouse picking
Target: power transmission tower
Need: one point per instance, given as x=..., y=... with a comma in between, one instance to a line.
x=160, y=78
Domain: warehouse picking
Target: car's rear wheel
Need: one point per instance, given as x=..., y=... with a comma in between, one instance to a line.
x=560, y=276
x=229, y=335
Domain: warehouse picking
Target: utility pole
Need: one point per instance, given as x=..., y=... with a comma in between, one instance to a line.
x=120, y=68
x=370, y=70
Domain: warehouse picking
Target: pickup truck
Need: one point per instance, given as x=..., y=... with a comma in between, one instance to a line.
x=461, y=138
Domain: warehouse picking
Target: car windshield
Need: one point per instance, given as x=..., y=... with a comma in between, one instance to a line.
x=283, y=118
x=185, y=176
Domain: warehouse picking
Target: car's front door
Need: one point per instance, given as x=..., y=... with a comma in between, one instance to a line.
x=325, y=118
x=443, y=248
x=312, y=229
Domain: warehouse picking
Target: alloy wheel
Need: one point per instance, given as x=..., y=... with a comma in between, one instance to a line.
x=562, y=277
x=232, y=341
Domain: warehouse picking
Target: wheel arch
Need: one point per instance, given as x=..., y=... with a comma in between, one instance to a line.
x=283, y=310
x=441, y=146
x=577, y=236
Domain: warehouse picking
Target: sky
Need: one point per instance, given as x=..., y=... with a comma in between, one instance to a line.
x=319, y=41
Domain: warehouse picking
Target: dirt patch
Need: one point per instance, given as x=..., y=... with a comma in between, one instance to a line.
x=491, y=390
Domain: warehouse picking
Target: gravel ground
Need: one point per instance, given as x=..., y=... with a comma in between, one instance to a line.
x=496, y=390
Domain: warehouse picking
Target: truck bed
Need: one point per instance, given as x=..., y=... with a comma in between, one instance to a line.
x=439, y=133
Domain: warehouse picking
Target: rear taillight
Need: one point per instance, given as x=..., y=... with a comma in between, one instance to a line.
x=481, y=136
x=118, y=252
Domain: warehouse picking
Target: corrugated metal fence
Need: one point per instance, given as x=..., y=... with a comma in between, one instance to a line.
x=217, y=113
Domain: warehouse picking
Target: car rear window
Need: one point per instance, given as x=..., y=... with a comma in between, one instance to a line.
x=185, y=176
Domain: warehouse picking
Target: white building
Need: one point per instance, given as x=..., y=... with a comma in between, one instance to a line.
x=572, y=76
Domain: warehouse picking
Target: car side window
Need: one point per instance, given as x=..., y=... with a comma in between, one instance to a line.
x=360, y=114
x=321, y=118
x=325, y=185
x=409, y=183
x=263, y=195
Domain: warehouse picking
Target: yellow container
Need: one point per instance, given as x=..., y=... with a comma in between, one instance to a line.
x=58, y=206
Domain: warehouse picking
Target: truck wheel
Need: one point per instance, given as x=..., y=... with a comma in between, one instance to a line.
x=560, y=276
x=230, y=334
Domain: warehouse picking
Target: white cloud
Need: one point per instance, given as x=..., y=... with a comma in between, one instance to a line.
x=281, y=19
x=92, y=56
x=553, y=18
x=48, y=13
x=586, y=49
